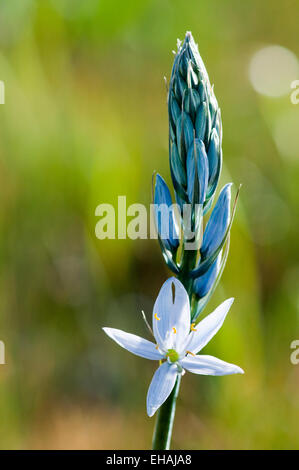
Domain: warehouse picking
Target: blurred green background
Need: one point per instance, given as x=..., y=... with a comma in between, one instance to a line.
x=85, y=120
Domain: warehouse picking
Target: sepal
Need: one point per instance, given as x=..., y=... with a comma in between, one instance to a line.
x=164, y=216
x=204, y=283
x=217, y=224
x=197, y=158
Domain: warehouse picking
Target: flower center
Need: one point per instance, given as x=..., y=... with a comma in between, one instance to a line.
x=172, y=355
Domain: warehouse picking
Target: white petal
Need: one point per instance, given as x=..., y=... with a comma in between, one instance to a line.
x=208, y=327
x=161, y=386
x=174, y=313
x=209, y=365
x=136, y=345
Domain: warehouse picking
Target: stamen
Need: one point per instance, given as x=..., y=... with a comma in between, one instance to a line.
x=192, y=327
x=147, y=323
x=189, y=352
x=174, y=329
x=157, y=346
x=156, y=317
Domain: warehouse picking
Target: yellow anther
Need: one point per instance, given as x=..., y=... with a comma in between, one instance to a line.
x=189, y=352
x=157, y=346
x=174, y=329
x=156, y=317
x=192, y=327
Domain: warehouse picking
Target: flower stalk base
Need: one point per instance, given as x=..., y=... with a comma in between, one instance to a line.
x=165, y=418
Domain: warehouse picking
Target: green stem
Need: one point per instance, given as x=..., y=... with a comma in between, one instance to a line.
x=166, y=413
x=165, y=419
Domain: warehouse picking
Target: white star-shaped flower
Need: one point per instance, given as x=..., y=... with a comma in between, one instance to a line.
x=177, y=342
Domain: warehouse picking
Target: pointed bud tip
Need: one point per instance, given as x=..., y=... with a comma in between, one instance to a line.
x=226, y=188
x=160, y=180
x=188, y=38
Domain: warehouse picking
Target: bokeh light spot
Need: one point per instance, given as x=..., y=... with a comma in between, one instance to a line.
x=272, y=69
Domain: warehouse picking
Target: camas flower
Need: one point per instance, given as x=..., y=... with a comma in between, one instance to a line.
x=177, y=342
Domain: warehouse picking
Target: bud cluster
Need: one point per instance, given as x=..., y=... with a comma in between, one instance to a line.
x=195, y=157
